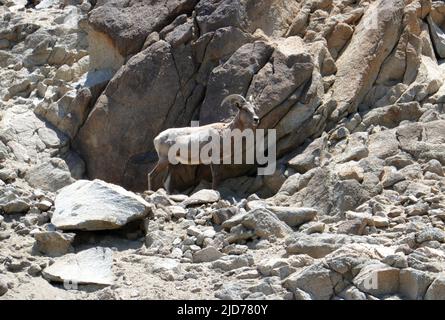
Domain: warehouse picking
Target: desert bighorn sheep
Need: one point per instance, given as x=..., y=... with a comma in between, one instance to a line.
x=246, y=118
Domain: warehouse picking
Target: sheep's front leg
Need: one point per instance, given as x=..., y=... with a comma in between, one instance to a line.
x=216, y=179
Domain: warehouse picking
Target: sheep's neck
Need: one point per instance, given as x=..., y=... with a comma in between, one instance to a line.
x=236, y=123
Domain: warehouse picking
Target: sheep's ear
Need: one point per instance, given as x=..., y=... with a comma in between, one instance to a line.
x=238, y=105
x=251, y=98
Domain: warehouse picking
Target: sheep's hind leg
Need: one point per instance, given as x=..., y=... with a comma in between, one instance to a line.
x=160, y=166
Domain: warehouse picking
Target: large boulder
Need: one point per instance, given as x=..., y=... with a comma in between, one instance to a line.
x=96, y=205
x=119, y=28
x=373, y=40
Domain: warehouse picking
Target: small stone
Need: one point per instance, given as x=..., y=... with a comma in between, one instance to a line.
x=353, y=226
x=248, y=274
x=18, y=266
x=202, y=197
x=160, y=198
x=237, y=249
x=399, y=161
x=234, y=221
x=85, y=6
x=294, y=216
x=340, y=133
x=8, y=174
x=315, y=227
x=55, y=168
x=267, y=286
x=396, y=212
x=390, y=177
x=396, y=260
x=54, y=243
x=301, y=295
x=207, y=254
x=194, y=231
x=223, y=214
x=44, y=205
x=418, y=209
x=380, y=222
x=64, y=73
x=4, y=235
x=209, y=233
x=151, y=38
x=228, y=263
x=16, y=206
x=434, y=166
x=430, y=234
x=265, y=267
x=177, y=211
x=265, y=224
x=178, y=197
x=176, y=253
x=352, y=293
x=348, y=171
x=229, y=291
x=314, y=245
x=315, y=280
x=34, y=270
x=38, y=194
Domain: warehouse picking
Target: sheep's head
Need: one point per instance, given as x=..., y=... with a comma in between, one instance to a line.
x=247, y=109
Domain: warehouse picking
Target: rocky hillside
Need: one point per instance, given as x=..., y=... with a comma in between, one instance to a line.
x=355, y=90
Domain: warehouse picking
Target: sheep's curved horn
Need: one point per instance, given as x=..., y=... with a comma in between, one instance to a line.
x=233, y=98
